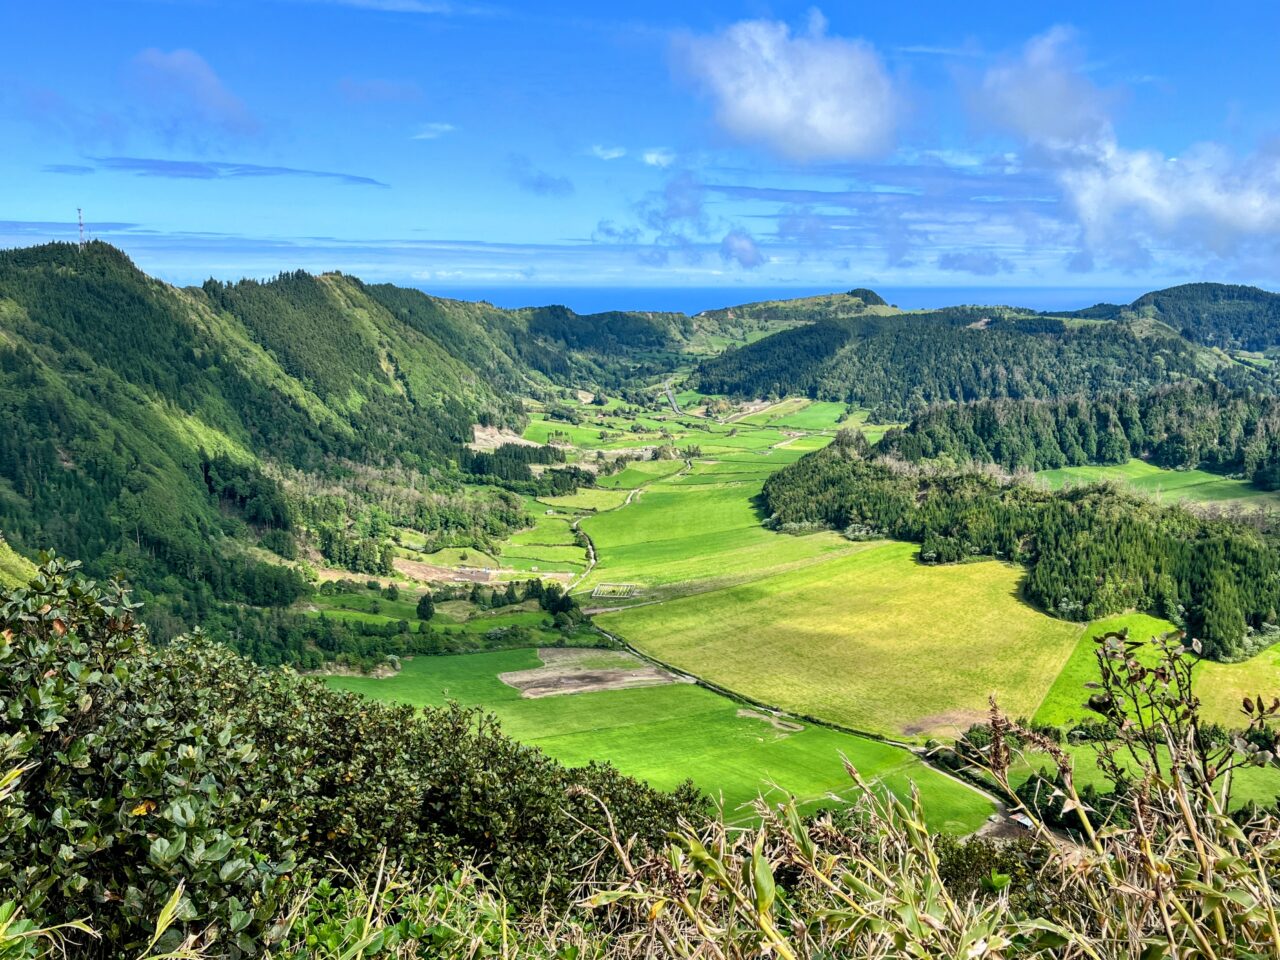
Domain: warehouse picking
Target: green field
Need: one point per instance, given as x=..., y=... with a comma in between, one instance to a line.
x=664, y=734
x=816, y=415
x=1220, y=686
x=1248, y=784
x=639, y=473
x=589, y=498
x=859, y=634
x=690, y=536
x=1198, y=486
x=871, y=640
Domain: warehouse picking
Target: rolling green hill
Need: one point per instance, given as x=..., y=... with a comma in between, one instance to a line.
x=1214, y=314
x=166, y=432
x=901, y=364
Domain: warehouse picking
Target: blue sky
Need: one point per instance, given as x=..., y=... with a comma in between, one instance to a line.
x=655, y=145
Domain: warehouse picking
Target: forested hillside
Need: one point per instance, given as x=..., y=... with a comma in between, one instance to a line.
x=187, y=437
x=1185, y=426
x=1090, y=551
x=901, y=365
x=1214, y=314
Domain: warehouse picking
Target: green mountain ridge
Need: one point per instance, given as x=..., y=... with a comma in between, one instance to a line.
x=902, y=363
x=1229, y=316
x=144, y=415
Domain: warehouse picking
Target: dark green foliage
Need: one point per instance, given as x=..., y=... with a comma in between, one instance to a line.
x=141, y=769
x=426, y=608
x=901, y=365
x=869, y=297
x=154, y=432
x=1090, y=551
x=1215, y=314
x=1189, y=425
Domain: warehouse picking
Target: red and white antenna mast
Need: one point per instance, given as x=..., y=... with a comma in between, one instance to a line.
x=80, y=214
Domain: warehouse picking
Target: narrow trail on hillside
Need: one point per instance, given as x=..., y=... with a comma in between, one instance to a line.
x=671, y=397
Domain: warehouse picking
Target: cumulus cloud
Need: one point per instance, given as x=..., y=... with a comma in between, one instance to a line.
x=739, y=247
x=677, y=219
x=1208, y=201
x=528, y=177
x=433, y=131
x=981, y=263
x=658, y=157
x=1043, y=96
x=607, y=153
x=806, y=96
x=802, y=224
x=187, y=97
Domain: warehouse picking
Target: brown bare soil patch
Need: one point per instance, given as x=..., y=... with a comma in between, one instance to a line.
x=950, y=721
x=777, y=723
x=491, y=438
x=577, y=670
x=418, y=570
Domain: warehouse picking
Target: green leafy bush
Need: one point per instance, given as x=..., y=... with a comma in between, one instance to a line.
x=140, y=769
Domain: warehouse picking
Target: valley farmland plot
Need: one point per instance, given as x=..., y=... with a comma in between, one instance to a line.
x=871, y=640
x=856, y=634
x=666, y=732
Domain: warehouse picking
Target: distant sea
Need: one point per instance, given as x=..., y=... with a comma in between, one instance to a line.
x=696, y=299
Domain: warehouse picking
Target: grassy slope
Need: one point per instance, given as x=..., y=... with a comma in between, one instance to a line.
x=664, y=734
x=1220, y=686
x=15, y=569
x=1199, y=486
x=691, y=535
x=872, y=640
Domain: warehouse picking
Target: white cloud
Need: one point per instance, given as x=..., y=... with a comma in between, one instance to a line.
x=608, y=153
x=805, y=96
x=1208, y=202
x=739, y=247
x=433, y=131
x=658, y=157
x=1043, y=95
x=187, y=97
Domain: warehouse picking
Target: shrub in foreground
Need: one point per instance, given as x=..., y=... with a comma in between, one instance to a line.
x=130, y=771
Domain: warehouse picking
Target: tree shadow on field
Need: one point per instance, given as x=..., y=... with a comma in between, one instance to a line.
x=760, y=507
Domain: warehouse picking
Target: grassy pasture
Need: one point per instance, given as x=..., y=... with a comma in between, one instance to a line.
x=808, y=443
x=570, y=553
x=589, y=498
x=872, y=640
x=462, y=557
x=541, y=431
x=1220, y=686
x=639, y=473
x=1249, y=784
x=549, y=531
x=816, y=415
x=688, y=535
x=1198, y=486
x=666, y=733
x=777, y=411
